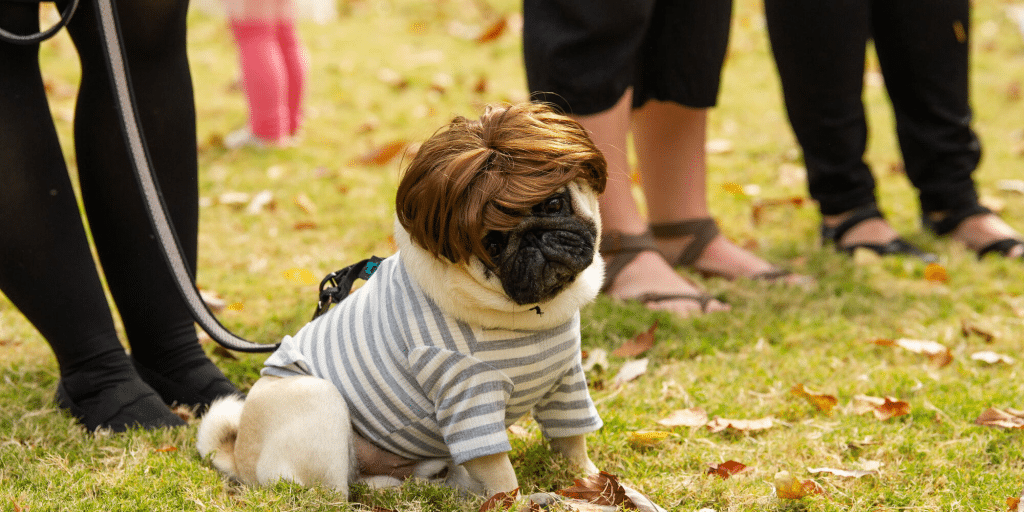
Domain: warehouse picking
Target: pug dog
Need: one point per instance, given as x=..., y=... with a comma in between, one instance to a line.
x=471, y=325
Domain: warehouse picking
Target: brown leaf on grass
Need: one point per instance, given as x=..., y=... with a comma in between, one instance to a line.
x=501, y=501
x=493, y=31
x=640, y=343
x=882, y=408
x=382, y=154
x=305, y=204
x=820, y=401
x=760, y=205
x=727, y=469
x=647, y=438
x=1013, y=505
x=788, y=487
x=166, y=449
x=304, y=224
x=1009, y=418
x=936, y=273
x=938, y=354
x=720, y=424
x=693, y=417
x=968, y=328
x=600, y=489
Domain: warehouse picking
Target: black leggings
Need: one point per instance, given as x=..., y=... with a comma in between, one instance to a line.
x=46, y=268
x=922, y=47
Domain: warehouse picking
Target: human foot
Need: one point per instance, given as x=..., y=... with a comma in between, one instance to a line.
x=866, y=228
x=637, y=271
x=698, y=244
x=986, y=232
x=114, y=398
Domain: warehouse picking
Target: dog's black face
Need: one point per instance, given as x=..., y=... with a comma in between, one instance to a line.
x=543, y=254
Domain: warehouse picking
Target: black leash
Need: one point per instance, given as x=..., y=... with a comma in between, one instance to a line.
x=156, y=210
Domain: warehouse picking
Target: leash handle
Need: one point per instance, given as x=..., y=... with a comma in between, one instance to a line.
x=65, y=18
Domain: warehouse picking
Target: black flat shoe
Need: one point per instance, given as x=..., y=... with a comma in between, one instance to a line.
x=196, y=387
x=118, y=406
x=895, y=247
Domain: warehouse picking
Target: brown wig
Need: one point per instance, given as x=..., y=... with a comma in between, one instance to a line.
x=477, y=176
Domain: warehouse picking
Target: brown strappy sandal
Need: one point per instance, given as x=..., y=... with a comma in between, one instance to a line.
x=703, y=232
x=623, y=249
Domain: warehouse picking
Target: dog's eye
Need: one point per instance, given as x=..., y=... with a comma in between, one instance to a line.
x=494, y=243
x=551, y=206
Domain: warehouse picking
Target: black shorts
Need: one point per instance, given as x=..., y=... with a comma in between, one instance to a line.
x=583, y=54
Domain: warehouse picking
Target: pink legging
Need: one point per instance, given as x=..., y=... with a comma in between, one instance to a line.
x=274, y=65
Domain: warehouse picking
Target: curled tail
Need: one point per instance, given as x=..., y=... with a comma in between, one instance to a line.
x=218, y=431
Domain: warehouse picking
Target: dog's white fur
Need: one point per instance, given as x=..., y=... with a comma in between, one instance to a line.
x=298, y=428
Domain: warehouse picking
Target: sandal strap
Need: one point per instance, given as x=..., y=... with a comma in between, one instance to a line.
x=702, y=299
x=1002, y=247
x=703, y=232
x=835, y=234
x=623, y=249
x=952, y=218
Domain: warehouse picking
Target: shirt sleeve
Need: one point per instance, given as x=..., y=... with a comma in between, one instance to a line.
x=470, y=399
x=567, y=410
x=287, y=361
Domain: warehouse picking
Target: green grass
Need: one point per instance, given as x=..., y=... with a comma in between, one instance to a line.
x=739, y=365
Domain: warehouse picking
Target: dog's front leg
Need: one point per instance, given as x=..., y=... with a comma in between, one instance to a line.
x=574, y=448
x=493, y=472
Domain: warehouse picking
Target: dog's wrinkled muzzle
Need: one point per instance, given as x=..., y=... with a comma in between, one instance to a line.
x=544, y=255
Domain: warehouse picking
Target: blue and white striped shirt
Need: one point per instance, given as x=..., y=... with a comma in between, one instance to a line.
x=422, y=384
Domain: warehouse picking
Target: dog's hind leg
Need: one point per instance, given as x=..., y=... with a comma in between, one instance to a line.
x=297, y=429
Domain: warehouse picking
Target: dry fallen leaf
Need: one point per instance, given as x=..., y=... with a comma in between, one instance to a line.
x=726, y=469
x=166, y=449
x=718, y=146
x=500, y=501
x=305, y=204
x=647, y=438
x=937, y=353
x=600, y=489
x=693, y=417
x=236, y=306
x=968, y=327
x=301, y=275
x=789, y=488
x=630, y=371
x=261, y=201
x=820, y=401
x=494, y=31
x=987, y=356
x=1009, y=418
x=760, y=205
x=594, y=358
x=382, y=154
x=883, y=408
x=936, y=273
x=720, y=424
x=1014, y=505
x=843, y=472
x=640, y=343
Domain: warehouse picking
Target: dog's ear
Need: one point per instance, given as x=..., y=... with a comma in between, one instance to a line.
x=476, y=176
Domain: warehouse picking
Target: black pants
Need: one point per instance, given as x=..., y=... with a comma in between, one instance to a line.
x=46, y=268
x=922, y=46
x=582, y=55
